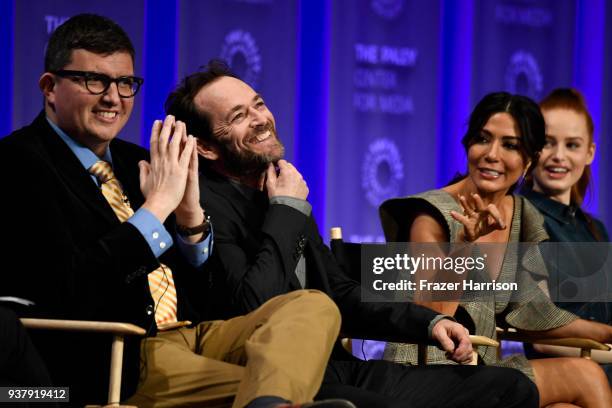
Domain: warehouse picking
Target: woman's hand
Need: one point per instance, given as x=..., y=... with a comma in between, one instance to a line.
x=478, y=219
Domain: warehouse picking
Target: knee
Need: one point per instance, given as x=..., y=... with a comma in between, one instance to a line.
x=575, y=373
x=321, y=304
x=588, y=369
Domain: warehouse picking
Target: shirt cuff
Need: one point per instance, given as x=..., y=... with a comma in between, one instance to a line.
x=198, y=253
x=436, y=320
x=152, y=230
x=302, y=206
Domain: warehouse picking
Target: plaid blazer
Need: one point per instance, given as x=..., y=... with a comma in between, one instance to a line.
x=528, y=308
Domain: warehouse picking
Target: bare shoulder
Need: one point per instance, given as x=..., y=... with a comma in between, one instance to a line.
x=427, y=228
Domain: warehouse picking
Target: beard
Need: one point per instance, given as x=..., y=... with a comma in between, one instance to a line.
x=247, y=162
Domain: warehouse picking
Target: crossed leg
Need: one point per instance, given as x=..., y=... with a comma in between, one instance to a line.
x=570, y=382
x=280, y=349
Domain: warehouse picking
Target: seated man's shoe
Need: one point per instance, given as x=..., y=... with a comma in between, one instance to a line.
x=329, y=403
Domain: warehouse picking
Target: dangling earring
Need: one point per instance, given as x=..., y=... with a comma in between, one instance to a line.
x=525, y=171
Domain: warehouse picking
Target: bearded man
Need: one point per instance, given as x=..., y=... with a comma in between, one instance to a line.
x=267, y=244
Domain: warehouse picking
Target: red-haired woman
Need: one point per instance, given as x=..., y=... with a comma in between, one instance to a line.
x=557, y=187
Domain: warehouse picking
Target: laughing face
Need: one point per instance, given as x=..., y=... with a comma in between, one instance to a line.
x=568, y=150
x=92, y=120
x=494, y=159
x=242, y=124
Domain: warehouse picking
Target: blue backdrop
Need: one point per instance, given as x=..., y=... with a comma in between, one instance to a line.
x=383, y=103
x=371, y=97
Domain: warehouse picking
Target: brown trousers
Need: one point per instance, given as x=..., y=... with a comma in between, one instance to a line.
x=280, y=349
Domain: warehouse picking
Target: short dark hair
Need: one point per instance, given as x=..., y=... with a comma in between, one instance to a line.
x=180, y=102
x=525, y=112
x=89, y=32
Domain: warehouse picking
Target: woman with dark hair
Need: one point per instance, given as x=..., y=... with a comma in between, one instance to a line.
x=505, y=136
x=557, y=187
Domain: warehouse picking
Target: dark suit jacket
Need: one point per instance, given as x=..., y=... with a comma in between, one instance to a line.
x=70, y=254
x=257, y=247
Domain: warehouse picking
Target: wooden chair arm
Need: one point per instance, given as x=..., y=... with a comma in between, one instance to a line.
x=125, y=329
x=483, y=341
x=585, y=345
x=477, y=341
x=118, y=329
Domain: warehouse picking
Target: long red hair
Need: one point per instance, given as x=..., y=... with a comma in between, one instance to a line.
x=571, y=99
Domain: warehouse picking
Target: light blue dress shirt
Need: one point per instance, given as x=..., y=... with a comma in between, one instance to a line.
x=147, y=224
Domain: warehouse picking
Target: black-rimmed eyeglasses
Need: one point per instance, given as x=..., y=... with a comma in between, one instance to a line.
x=97, y=83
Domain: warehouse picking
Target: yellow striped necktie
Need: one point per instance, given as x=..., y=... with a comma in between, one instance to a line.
x=161, y=282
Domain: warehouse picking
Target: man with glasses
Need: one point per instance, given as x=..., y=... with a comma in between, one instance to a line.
x=97, y=84
x=94, y=229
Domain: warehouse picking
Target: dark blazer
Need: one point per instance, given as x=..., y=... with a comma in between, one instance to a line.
x=257, y=247
x=64, y=249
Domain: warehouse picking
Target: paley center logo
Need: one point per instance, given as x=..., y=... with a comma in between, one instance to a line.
x=523, y=75
x=382, y=171
x=388, y=9
x=242, y=54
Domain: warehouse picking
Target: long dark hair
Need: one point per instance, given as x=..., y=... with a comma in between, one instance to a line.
x=523, y=110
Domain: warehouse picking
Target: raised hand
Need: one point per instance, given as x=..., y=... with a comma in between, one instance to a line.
x=478, y=219
x=189, y=212
x=163, y=180
x=289, y=182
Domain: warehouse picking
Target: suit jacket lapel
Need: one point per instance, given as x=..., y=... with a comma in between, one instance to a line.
x=70, y=170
